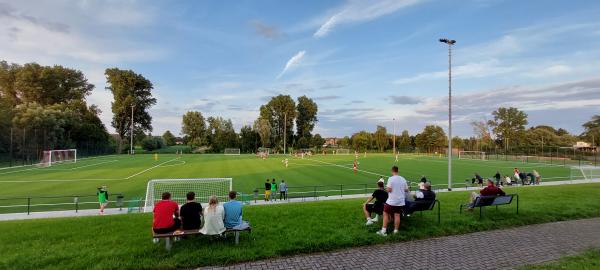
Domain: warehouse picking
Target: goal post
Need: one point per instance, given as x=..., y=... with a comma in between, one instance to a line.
x=203, y=187
x=342, y=151
x=585, y=172
x=232, y=151
x=264, y=150
x=52, y=157
x=471, y=155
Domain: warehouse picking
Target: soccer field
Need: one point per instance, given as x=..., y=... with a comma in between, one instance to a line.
x=129, y=174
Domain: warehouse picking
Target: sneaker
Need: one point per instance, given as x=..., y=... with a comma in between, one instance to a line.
x=375, y=219
x=369, y=222
x=395, y=231
x=155, y=240
x=381, y=232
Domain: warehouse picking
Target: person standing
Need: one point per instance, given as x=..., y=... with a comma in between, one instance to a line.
x=498, y=177
x=355, y=166
x=283, y=188
x=273, y=190
x=102, y=194
x=396, y=188
x=267, y=190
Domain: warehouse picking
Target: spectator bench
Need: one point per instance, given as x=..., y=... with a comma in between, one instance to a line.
x=170, y=237
x=483, y=201
x=420, y=206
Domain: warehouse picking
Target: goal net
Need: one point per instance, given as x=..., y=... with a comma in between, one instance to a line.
x=52, y=157
x=306, y=150
x=585, y=172
x=342, y=151
x=471, y=155
x=203, y=187
x=264, y=150
x=232, y=151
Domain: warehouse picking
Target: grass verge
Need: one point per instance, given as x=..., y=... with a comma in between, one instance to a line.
x=123, y=242
x=584, y=261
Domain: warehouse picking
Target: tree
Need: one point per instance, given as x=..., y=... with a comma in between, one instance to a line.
x=482, y=131
x=361, y=141
x=263, y=128
x=151, y=143
x=381, y=138
x=508, y=124
x=457, y=143
x=280, y=111
x=193, y=127
x=592, y=130
x=130, y=89
x=169, y=138
x=404, y=141
x=344, y=142
x=317, y=142
x=221, y=134
x=307, y=116
x=433, y=138
x=249, y=140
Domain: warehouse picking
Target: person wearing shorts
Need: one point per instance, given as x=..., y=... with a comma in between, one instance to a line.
x=396, y=188
x=102, y=198
x=267, y=190
x=380, y=196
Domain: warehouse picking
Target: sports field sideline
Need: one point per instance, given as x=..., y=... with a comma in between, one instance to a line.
x=129, y=174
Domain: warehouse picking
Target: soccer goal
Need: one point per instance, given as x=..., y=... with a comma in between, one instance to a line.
x=203, y=187
x=52, y=157
x=264, y=150
x=232, y=151
x=342, y=151
x=471, y=155
x=585, y=172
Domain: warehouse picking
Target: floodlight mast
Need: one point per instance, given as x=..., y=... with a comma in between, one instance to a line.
x=131, y=132
x=450, y=42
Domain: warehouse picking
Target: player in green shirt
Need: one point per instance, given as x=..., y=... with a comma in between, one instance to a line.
x=102, y=198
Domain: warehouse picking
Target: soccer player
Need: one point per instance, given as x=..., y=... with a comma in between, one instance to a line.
x=286, y=162
x=267, y=190
x=355, y=166
x=355, y=154
x=396, y=158
x=396, y=188
x=102, y=198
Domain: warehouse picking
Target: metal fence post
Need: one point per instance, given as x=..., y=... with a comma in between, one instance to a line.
x=341, y=190
x=76, y=200
x=315, y=194
x=28, y=205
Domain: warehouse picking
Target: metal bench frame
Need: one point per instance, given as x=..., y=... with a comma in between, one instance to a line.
x=483, y=201
x=169, y=237
x=432, y=205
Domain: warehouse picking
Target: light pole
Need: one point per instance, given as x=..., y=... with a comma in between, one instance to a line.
x=394, y=135
x=450, y=42
x=131, y=133
x=284, y=130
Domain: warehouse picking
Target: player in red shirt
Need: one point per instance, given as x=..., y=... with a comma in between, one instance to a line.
x=355, y=166
x=166, y=215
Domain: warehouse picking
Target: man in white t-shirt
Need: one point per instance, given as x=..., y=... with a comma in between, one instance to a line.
x=396, y=188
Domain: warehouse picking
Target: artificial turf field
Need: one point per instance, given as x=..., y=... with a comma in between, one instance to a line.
x=130, y=174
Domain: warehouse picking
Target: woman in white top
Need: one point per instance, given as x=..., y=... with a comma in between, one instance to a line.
x=213, y=217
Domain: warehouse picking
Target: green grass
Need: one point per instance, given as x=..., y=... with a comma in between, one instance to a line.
x=129, y=174
x=123, y=241
x=586, y=260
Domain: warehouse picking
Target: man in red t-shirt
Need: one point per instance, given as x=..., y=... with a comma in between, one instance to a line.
x=166, y=215
x=490, y=190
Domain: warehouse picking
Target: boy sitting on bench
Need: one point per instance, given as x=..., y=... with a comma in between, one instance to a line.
x=490, y=190
x=233, y=213
x=166, y=215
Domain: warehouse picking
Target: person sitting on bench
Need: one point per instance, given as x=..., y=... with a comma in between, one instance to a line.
x=191, y=212
x=424, y=195
x=166, y=215
x=380, y=196
x=490, y=190
x=233, y=213
x=213, y=218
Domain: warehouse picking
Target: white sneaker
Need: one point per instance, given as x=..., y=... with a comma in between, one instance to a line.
x=375, y=219
x=369, y=222
x=395, y=231
x=381, y=232
x=155, y=240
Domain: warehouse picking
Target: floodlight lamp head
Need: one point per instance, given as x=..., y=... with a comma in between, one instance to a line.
x=447, y=41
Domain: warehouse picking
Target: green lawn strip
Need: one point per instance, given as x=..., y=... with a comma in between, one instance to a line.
x=123, y=241
x=586, y=260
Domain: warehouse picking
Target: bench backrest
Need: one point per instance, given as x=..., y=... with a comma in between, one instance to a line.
x=423, y=205
x=493, y=200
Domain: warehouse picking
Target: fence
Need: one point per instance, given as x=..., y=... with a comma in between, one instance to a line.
x=31, y=204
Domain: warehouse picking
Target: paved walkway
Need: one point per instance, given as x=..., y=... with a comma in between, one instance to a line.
x=500, y=249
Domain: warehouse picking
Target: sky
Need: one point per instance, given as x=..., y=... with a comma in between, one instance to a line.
x=365, y=63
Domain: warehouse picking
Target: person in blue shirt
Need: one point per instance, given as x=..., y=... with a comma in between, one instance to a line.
x=233, y=213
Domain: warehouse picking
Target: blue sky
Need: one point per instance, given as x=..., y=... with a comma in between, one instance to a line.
x=364, y=62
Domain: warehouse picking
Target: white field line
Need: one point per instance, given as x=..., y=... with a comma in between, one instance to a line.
x=342, y=166
x=181, y=162
x=90, y=179
x=75, y=168
x=53, y=168
x=22, y=166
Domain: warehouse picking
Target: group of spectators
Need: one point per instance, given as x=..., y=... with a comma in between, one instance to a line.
x=271, y=190
x=168, y=217
x=531, y=178
x=394, y=200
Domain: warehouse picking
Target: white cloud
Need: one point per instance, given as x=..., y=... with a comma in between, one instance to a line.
x=554, y=70
x=469, y=70
x=293, y=62
x=356, y=11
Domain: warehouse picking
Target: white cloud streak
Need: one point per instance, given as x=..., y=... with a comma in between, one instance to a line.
x=356, y=11
x=293, y=62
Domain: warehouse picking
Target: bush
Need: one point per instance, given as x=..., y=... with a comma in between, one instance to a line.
x=153, y=143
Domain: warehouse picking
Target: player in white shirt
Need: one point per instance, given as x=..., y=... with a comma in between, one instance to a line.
x=396, y=157
x=396, y=188
x=286, y=162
